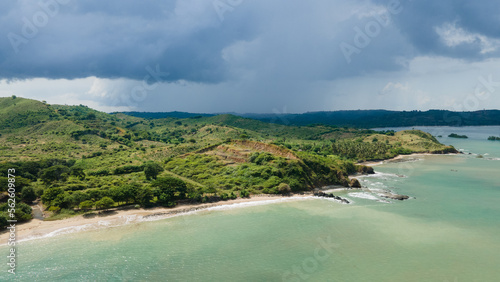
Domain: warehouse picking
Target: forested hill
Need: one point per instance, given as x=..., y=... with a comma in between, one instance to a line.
x=176, y=114
x=362, y=118
x=75, y=159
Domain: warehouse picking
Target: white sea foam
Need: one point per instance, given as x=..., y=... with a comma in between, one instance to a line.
x=378, y=190
x=130, y=219
x=363, y=195
x=376, y=186
x=257, y=203
x=337, y=190
x=384, y=201
x=160, y=216
x=62, y=231
x=382, y=175
x=335, y=200
x=369, y=196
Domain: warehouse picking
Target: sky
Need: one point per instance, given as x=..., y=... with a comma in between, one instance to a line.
x=253, y=56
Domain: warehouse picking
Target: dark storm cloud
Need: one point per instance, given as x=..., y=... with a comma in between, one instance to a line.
x=267, y=40
x=480, y=16
x=112, y=39
x=419, y=20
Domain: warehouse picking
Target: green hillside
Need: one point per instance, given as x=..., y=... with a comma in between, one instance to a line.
x=75, y=159
x=363, y=118
x=18, y=112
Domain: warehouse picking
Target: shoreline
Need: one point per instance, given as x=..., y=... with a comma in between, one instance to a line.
x=399, y=157
x=39, y=229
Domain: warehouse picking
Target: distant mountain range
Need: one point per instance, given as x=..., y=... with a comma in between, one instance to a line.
x=358, y=118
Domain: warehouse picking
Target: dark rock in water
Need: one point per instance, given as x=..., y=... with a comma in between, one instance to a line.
x=366, y=170
x=401, y=197
x=395, y=196
x=447, y=150
x=355, y=183
x=324, y=195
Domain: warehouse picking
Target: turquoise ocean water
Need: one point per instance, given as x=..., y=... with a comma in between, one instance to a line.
x=448, y=231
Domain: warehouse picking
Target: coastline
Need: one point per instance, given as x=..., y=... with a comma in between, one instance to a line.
x=398, y=157
x=38, y=229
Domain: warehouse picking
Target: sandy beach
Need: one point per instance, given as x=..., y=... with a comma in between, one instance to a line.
x=37, y=228
x=398, y=157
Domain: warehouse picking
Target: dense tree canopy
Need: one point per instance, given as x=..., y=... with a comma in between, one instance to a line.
x=166, y=188
x=55, y=173
x=151, y=170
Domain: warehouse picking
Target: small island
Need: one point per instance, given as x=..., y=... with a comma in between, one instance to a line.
x=494, y=138
x=454, y=135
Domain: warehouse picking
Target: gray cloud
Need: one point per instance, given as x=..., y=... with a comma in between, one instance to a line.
x=281, y=52
x=113, y=39
x=419, y=20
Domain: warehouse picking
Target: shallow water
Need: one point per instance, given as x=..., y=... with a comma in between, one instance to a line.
x=447, y=232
